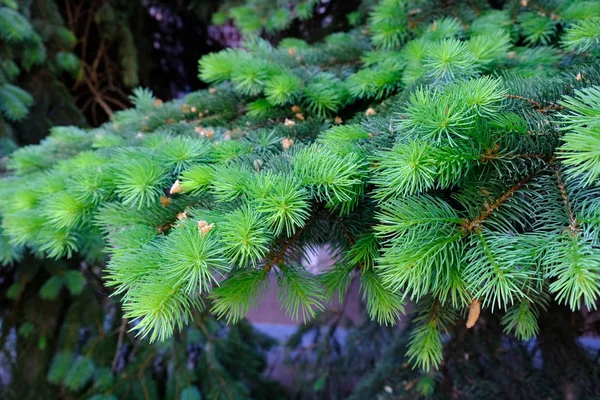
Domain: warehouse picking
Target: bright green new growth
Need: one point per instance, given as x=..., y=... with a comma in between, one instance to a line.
x=437, y=163
x=581, y=151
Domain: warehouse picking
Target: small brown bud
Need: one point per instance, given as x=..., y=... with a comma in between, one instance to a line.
x=300, y=116
x=212, y=90
x=204, y=132
x=158, y=103
x=512, y=55
x=194, y=110
x=289, y=123
x=524, y=3
x=296, y=109
x=182, y=215
x=165, y=201
x=204, y=227
x=176, y=188
x=287, y=143
x=579, y=77
x=292, y=51
x=185, y=108
x=338, y=120
x=370, y=112
x=170, y=121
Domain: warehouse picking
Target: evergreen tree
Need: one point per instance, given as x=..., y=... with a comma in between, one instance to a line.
x=308, y=19
x=64, y=59
x=446, y=153
x=33, y=36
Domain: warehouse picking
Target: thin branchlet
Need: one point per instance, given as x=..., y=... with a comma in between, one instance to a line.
x=573, y=225
x=470, y=225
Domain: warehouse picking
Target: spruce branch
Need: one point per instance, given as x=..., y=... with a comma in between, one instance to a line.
x=573, y=225
x=446, y=190
x=278, y=257
x=471, y=224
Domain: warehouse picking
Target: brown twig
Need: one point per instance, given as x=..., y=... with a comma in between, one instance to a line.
x=489, y=156
x=468, y=226
x=119, y=344
x=145, y=364
x=288, y=243
x=538, y=106
x=114, y=101
x=573, y=226
x=534, y=103
x=99, y=91
x=99, y=100
x=345, y=232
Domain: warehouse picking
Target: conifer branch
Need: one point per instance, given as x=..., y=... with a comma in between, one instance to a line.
x=536, y=104
x=573, y=225
x=469, y=225
x=493, y=154
x=288, y=243
x=122, y=330
x=347, y=235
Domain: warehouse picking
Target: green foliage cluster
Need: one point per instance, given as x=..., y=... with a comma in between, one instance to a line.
x=255, y=16
x=54, y=55
x=114, y=22
x=452, y=162
x=30, y=35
